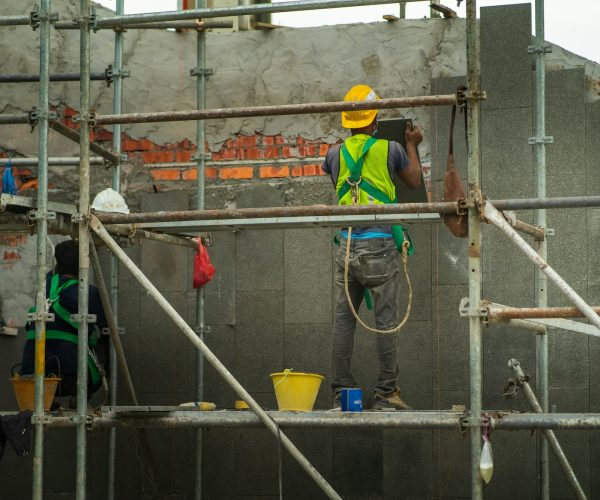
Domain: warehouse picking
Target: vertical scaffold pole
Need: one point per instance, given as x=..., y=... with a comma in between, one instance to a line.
x=42, y=235
x=473, y=74
x=114, y=262
x=541, y=298
x=84, y=248
x=201, y=73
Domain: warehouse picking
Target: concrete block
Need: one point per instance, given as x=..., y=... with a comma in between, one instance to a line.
x=221, y=341
x=568, y=248
x=358, y=463
x=594, y=374
x=259, y=338
x=450, y=340
x=317, y=446
x=256, y=463
x=260, y=195
x=565, y=89
x=218, y=467
x=420, y=272
x=506, y=156
x=451, y=259
x=506, y=73
x=307, y=275
x=451, y=465
x=441, y=119
x=593, y=264
x=220, y=292
x=592, y=148
x=416, y=364
x=407, y=464
x=307, y=348
x=259, y=260
x=569, y=360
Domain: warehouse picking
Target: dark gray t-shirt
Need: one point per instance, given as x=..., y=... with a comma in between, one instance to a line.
x=396, y=162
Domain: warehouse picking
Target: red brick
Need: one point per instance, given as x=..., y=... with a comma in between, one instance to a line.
x=11, y=255
x=70, y=112
x=323, y=148
x=279, y=139
x=236, y=173
x=246, y=141
x=165, y=174
x=312, y=170
x=231, y=143
x=297, y=171
x=215, y=156
x=254, y=154
x=158, y=156
x=191, y=174
x=129, y=145
x=271, y=152
x=288, y=152
x=210, y=172
x=269, y=140
x=270, y=172
x=183, y=156
x=300, y=140
x=103, y=135
x=22, y=171
x=145, y=145
x=230, y=154
x=307, y=150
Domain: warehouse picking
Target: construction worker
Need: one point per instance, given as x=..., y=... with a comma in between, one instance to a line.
x=373, y=258
x=61, y=334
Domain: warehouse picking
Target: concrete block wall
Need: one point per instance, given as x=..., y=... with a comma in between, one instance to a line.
x=270, y=307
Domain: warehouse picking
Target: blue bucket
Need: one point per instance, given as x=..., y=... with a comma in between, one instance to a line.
x=351, y=399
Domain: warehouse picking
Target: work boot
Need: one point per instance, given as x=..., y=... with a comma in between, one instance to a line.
x=390, y=402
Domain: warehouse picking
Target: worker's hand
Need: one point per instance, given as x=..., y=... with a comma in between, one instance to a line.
x=413, y=135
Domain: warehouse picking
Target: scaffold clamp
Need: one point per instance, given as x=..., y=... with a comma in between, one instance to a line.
x=205, y=72
x=202, y=330
x=199, y=156
x=110, y=74
x=539, y=49
x=546, y=139
x=120, y=331
x=34, y=215
x=40, y=316
x=83, y=318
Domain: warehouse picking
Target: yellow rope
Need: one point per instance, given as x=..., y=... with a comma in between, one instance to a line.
x=405, y=246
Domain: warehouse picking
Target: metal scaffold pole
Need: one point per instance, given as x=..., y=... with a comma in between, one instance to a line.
x=84, y=249
x=474, y=248
x=42, y=235
x=114, y=262
x=541, y=295
x=201, y=73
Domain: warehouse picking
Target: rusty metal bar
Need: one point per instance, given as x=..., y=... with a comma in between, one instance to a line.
x=130, y=231
x=14, y=119
x=548, y=434
x=537, y=232
x=276, y=110
x=15, y=20
x=62, y=129
x=537, y=312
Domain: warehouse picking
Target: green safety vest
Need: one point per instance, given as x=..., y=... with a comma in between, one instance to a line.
x=59, y=310
x=375, y=185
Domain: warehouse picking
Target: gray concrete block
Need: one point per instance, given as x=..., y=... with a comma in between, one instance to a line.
x=506, y=157
x=259, y=260
x=592, y=148
x=220, y=292
x=568, y=248
x=450, y=340
x=416, y=364
x=451, y=262
x=256, y=463
x=506, y=73
x=259, y=338
x=407, y=465
x=260, y=195
x=441, y=120
x=565, y=89
x=218, y=467
x=594, y=374
x=221, y=341
x=593, y=264
x=317, y=446
x=307, y=348
x=451, y=464
x=569, y=360
x=358, y=463
x=420, y=272
x=307, y=275
x=557, y=298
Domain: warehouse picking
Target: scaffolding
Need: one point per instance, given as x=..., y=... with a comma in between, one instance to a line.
x=80, y=221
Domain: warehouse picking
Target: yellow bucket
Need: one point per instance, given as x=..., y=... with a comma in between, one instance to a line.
x=24, y=391
x=296, y=391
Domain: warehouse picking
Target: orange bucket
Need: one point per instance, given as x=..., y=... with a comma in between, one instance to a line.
x=24, y=388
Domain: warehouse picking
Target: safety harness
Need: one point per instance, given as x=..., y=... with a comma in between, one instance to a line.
x=53, y=305
x=354, y=183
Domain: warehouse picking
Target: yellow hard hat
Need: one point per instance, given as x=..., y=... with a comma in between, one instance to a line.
x=362, y=118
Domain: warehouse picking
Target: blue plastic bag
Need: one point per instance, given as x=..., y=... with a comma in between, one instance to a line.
x=9, y=186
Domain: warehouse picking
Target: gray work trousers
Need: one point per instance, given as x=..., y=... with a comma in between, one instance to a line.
x=374, y=264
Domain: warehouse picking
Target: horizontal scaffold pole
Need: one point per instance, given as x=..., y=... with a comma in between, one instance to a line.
x=60, y=77
x=14, y=119
x=452, y=421
x=536, y=312
x=198, y=24
x=15, y=20
x=242, y=10
x=69, y=133
x=440, y=207
x=282, y=109
x=67, y=161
